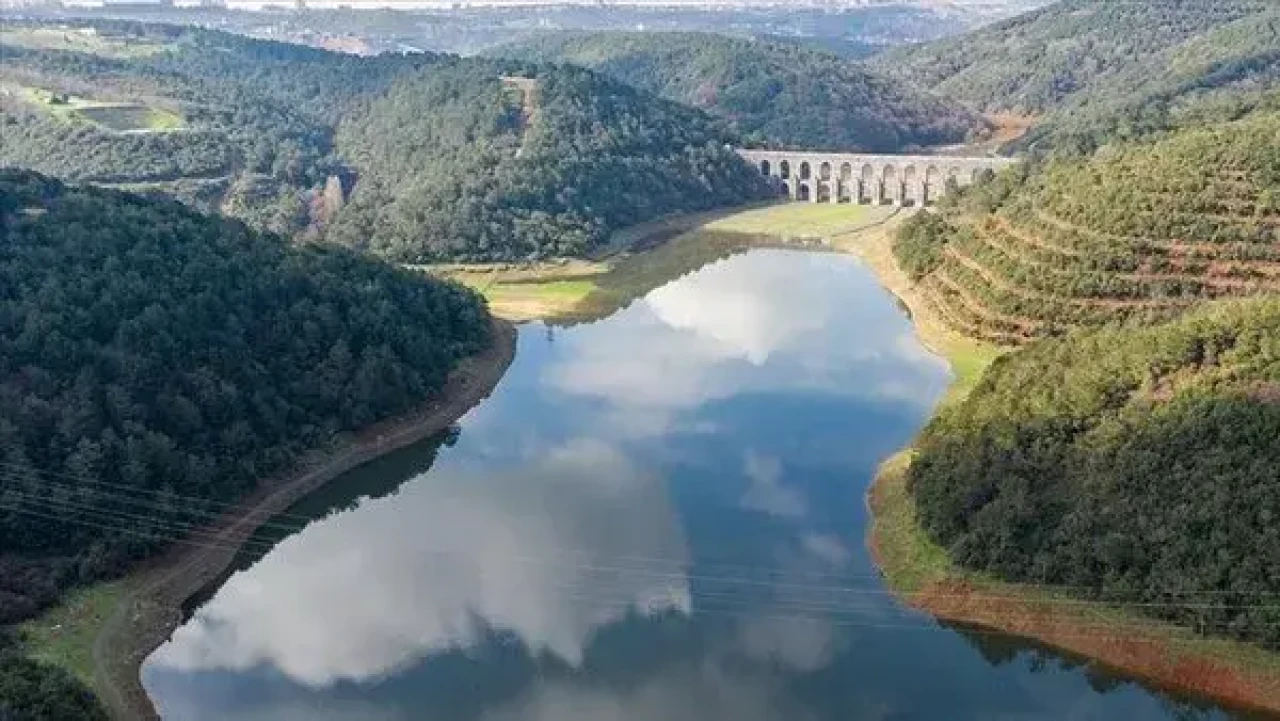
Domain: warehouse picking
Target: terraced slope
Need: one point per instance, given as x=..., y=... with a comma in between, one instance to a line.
x=1138, y=233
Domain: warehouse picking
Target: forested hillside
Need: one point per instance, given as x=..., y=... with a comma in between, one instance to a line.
x=417, y=157
x=150, y=355
x=459, y=163
x=1141, y=231
x=223, y=122
x=772, y=93
x=1098, y=71
x=1133, y=465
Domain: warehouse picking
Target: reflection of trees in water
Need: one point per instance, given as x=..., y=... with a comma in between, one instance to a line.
x=633, y=277
x=1000, y=649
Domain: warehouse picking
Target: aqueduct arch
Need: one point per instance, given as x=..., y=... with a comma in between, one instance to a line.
x=911, y=191
x=869, y=190
x=892, y=186
x=933, y=186
x=862, y=178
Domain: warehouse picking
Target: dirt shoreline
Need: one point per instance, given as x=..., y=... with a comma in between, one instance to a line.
x=1164, y=656
x=152, y=607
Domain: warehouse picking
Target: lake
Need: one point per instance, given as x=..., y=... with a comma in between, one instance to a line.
x=657, y=516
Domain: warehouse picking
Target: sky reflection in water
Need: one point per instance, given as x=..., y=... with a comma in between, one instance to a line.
x=657, y=517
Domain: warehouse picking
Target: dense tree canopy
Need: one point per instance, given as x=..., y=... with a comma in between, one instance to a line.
x=149, y=352
x=462, y=163
x=448, y=159
x=1135, y=465
x=1098, y=71
x=33, y=691
x=772, y=93
x=257, y=117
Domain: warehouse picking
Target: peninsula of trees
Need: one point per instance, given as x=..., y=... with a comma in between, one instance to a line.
x=1133, y=465
x=156, y=362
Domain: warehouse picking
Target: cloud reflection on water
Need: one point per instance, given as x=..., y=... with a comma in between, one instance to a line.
x=433, y=567
x=769, y=382
x=817, y=320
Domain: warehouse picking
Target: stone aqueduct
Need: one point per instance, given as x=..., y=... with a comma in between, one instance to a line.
x=867, y=179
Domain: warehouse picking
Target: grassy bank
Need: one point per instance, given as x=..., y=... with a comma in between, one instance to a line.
x=82, y=40
x=922, y=574
x=642, y=258
x=103, y=633
x=115, y=116
x=63, y=636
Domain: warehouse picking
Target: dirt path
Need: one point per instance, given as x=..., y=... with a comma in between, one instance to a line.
x=152, y=608
x=527, y=87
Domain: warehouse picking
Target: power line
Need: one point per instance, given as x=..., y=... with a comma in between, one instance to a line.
x=96, y=518
x=254, y=541
x=265, y=544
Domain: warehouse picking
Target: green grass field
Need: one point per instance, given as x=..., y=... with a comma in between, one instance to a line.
x=131, y=118
x=81, y=40
x=63, y=636
x=522, y=300
x=575, y=290
x=118, y=117
x=800, y=220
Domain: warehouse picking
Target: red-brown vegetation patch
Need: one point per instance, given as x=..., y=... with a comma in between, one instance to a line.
x=1264, y=392
x=1149, y=653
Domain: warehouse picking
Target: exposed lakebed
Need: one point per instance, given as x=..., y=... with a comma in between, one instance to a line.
x=657, y=516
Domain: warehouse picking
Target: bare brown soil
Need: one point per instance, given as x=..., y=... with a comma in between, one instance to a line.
x=997, y=281
x=1226, y=284
x=974, y=306
x=1163, y=656
x=1150, y=655
x=152, y=609
x=1008, y=127
x=1175, y=248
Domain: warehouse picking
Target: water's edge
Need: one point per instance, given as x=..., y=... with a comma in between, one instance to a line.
x=152, y=608
x=1225, y=676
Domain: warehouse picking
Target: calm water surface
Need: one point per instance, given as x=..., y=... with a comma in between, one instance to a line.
x=656, y=517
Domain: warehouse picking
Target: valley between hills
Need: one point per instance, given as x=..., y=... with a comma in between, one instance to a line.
x=231, y=260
